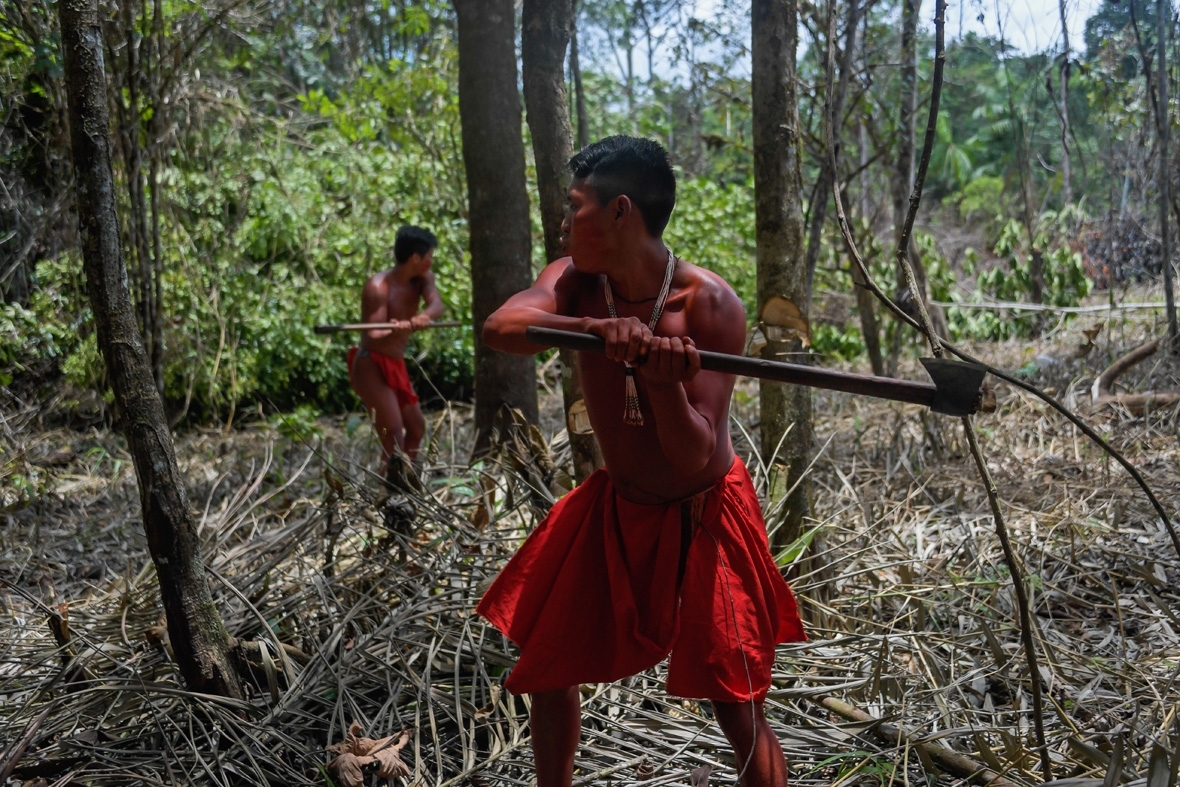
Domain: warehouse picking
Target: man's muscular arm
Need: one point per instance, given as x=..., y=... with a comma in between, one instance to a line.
x=547, y=304
x=689, y=405
x=432, y=308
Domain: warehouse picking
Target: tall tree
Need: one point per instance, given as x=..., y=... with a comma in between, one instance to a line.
x=1063, y=77
x=834, y=97
x=579, y=92
x=1165, y=197
x=199, y=639
x=778, y=220
x=546, y=28
x=903, y=175
x=497, y=199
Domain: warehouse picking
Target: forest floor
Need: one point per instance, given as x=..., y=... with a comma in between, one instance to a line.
x=907, y=599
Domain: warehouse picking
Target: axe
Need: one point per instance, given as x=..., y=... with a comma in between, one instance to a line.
x=957, y=388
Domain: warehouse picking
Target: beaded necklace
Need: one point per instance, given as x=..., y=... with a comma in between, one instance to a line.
x=632, y=415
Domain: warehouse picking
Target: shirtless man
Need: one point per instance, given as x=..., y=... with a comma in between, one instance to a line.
x=377, y=368
x=664, y=552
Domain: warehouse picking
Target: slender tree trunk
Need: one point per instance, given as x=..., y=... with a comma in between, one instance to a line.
x=1066, y=179
x=497, y=199
x=1163, y=25
x=903, y=177
x=579, y=93
x=778, y=188
x=1036, y=265
x=836, y=94
x=546, y=27
x=198, y=636
x=903, y=171
x=1163, y=175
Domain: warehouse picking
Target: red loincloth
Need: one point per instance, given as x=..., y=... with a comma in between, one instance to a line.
x=592, y=596
x=395, y=374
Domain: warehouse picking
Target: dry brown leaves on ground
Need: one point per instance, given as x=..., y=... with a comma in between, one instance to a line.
x=357, y=756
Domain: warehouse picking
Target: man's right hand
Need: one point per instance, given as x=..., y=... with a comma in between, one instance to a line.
x=400, y=327
x=626, y=337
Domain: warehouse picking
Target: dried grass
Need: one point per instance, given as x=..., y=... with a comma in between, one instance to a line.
x=908, y=606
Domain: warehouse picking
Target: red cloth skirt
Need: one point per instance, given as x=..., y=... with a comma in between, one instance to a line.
x=605, y=588
x=394, y=371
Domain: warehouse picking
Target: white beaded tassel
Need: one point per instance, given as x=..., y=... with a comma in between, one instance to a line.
x=632, y=415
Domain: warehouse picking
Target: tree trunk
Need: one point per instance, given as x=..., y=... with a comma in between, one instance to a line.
x=579, y=93
x=903, y=178
x=497, y=200
x=1165, y=187
x=198, y=636
x=778, y=187
x=546, y=27
x=836, y=94
x=903, y=172
x=1066, y=185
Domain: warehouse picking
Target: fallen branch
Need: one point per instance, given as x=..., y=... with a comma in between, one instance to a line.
x=952, y=762
x=1102, y=392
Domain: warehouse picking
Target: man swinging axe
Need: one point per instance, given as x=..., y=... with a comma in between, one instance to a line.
x=664, y=552
x=402, y=299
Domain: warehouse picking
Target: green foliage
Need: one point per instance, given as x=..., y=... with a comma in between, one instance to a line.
x=275, y=230
x=980, y=196
x=24, y=339
x=83, y=368
x=49, y=328
x=713, y=226
x=298, y=424
x=1065, y=278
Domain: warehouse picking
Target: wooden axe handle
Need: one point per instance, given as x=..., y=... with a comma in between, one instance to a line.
x=925, y=394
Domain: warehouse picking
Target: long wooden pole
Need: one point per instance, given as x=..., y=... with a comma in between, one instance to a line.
x=376, y=326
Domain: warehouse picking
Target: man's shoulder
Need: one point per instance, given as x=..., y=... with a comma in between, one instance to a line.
x=710, y=291
x=379, y=280
x=564, y=275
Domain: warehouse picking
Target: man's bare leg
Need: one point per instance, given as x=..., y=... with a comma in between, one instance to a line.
x=745, y=727
x=415, y=424
x=556, y=727
x=380, y=402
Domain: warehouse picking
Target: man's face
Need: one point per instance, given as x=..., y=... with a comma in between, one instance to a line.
x=420, y=263
x=588, y=231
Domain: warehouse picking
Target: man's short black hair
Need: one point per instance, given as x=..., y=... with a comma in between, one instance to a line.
x=413, y=240
x=636, y=167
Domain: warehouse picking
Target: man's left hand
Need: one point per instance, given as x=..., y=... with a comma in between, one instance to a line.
x=669, y=359
x=419, y=321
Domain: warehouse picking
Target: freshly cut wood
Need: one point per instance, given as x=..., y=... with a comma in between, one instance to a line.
x=1138, y=403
